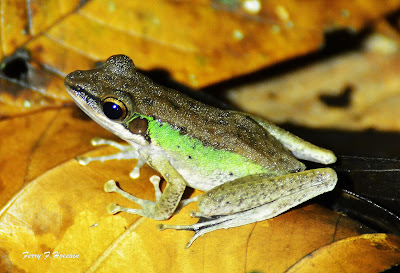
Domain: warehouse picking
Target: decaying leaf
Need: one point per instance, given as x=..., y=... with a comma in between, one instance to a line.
x=354, y=91
x=32, y=144
x=367, y=253
x=213, y=40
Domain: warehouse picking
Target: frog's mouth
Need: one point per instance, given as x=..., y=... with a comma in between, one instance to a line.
x=91, y=106
x=85, y=101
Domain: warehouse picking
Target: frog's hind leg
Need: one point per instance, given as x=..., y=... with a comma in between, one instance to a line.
x=126, y=152
x=278, y=194
x=301, y=148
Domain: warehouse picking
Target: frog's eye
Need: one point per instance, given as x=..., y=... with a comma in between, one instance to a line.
x=114, y=109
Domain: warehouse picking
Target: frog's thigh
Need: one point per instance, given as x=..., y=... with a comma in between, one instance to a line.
x=301, y=148
x=258, y=197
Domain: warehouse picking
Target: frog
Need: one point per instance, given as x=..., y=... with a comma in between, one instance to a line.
x=249, y=169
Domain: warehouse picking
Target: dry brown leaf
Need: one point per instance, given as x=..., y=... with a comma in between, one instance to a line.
x=30, y=145
x=213, y=40
x=367, y=253
x=365, y=83
x=22, y=21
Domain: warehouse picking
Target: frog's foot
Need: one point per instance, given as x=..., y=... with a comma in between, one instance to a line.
x=148, y=207
x=127, y=152
x=205, y=225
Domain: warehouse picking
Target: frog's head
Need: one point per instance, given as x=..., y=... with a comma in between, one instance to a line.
x=105, y=95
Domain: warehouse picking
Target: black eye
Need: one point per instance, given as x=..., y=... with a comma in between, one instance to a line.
x=114, y=109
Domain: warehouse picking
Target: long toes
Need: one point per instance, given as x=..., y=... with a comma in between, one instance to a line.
x=113, y=208
x=110, y=186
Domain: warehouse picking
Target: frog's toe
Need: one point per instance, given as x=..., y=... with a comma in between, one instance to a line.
x=135, y=173
x=199, y=231
x=161, y=227
x=83, y=160
x=111, y=186
x=126, y=152
x=97, y=141
x=113, y=208
x=205, y=225
x=155, y=180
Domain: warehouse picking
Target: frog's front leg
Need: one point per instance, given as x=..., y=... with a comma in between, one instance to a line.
x=166, y=202
x=256, y=198
x=126, y=152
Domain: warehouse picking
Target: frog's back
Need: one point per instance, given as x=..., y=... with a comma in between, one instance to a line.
x=213, y=127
